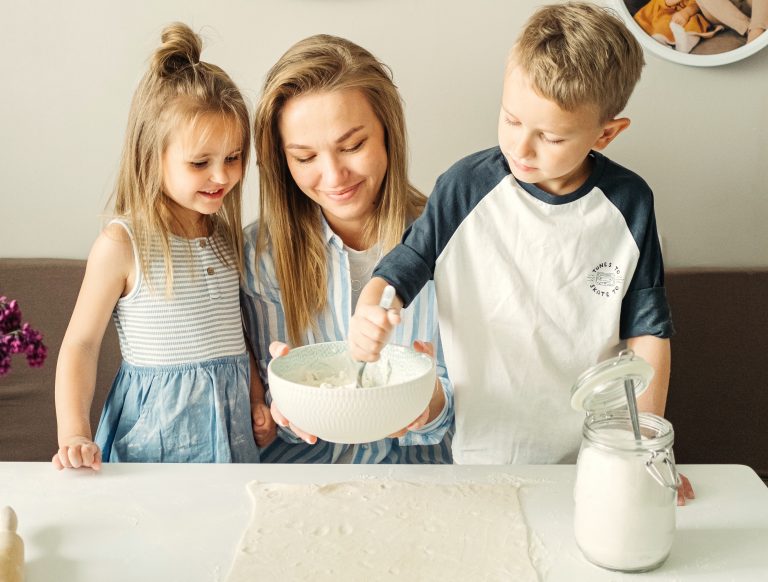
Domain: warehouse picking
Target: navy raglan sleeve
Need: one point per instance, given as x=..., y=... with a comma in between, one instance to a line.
x=644, y=309
x=411, y=264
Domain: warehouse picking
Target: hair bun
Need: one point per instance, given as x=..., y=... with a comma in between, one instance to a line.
x=181, y=48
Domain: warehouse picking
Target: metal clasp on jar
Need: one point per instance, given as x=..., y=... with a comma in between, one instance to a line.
x=650, y=465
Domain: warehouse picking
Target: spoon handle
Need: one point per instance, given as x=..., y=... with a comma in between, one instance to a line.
x=629, y=388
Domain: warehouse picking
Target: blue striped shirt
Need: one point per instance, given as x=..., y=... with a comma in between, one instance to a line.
x=264, y=320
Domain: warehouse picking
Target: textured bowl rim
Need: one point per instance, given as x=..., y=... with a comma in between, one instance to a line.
x=342, y=344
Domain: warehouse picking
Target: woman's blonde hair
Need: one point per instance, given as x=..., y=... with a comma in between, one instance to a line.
x=179, y=90
x=579, y=54
x=290, y=221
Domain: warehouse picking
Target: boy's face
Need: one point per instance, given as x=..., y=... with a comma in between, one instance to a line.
x=544, y=144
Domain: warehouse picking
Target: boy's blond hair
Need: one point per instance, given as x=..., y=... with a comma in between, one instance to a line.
x=578, y=54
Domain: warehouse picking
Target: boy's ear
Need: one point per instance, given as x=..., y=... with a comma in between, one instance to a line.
x=610, y=130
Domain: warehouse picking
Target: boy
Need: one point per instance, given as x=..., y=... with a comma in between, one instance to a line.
x=544, y=253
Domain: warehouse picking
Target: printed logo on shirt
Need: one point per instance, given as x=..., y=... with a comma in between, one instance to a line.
x=606, y=279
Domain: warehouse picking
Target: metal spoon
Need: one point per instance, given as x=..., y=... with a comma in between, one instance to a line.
x=629, y=388
x=387, y=297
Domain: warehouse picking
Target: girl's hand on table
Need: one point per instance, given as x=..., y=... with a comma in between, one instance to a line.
x=79, y=451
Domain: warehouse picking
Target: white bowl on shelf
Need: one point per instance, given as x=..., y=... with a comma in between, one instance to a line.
x=348, y=414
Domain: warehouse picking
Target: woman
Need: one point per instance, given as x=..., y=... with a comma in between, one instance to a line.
x=334, y=197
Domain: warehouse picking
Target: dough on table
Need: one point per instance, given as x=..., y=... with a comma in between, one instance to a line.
x=371, y=530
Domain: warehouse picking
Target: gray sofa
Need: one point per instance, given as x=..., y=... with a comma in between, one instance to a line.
x=718, y=399
x=46, y=290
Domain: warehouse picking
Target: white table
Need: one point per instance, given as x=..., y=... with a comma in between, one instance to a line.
x=183, y=522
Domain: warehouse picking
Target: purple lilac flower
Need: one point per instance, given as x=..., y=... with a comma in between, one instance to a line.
x=10, y=315
x=16, y=338
x=35, y=349
x=5, y=358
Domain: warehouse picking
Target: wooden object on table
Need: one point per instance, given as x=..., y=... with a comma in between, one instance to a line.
x=11, y=548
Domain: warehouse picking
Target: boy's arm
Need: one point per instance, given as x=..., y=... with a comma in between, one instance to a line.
x=656, y=351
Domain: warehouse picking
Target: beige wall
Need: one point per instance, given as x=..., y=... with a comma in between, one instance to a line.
x=699, y=135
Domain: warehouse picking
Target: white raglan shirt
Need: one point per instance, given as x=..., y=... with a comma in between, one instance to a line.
x=532, y=290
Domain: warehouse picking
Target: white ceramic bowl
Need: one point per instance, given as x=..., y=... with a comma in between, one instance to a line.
x=347, y=414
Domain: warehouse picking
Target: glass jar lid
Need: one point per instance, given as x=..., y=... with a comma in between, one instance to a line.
x=601, y=387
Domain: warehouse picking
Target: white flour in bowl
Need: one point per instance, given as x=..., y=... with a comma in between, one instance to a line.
x=340, y=371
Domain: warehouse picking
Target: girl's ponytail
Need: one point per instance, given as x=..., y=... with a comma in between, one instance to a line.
x=180, y=49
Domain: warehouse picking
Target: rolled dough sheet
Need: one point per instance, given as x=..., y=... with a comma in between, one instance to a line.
x=376, y=529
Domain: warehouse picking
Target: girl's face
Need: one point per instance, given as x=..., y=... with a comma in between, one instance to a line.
x=334, y=146
x=201, y=164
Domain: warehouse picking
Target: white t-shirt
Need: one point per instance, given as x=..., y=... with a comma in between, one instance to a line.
x=532, y=290
x=361, y=264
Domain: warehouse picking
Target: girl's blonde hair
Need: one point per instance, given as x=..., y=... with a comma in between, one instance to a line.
x=578, y=54
x=179, y=90
x=290, y=221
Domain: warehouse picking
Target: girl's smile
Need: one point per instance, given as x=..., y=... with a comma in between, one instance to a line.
x=214, y=194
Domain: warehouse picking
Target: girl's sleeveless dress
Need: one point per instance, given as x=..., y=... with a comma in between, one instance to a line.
x=182, y=392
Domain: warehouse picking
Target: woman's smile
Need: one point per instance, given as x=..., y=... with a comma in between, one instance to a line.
x=336, y=153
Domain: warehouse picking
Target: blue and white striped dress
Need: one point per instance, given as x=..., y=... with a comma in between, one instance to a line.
x=265, y=322
x=182, y=391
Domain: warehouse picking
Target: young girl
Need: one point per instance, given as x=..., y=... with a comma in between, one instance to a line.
x=167, y=270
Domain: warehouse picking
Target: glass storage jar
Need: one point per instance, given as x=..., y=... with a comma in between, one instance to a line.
x=626, y=490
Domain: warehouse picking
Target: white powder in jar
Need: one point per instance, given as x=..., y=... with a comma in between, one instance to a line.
x=623, y=518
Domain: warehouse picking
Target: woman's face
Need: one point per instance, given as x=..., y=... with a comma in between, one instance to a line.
x=334, y=146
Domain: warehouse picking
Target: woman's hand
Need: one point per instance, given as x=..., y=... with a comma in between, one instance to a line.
x=310, y=439
x=436, y=403
x=78, y=451
x=685, y=490
x=277, y=349
x=420, y=421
